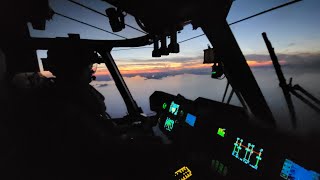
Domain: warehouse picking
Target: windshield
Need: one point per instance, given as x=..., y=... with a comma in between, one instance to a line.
x=292, y=31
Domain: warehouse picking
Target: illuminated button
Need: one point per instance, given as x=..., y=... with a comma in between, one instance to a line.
x=190, y=119
x=221, y=132
x=168, y=125
x=164, y=105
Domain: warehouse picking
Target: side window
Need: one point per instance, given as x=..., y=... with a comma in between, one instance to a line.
x=104, y=83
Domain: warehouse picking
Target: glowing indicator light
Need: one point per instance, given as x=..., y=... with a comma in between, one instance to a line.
x=168, y=125
x=291, y=170
x=238, y=146
x=164, y=105
x=191, y=119
x=221, y=132
x=214, y=72
x=174, y=108
x=183, y=173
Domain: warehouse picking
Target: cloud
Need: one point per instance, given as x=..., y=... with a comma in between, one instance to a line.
x=158, y=68
x=100, y=83
x=300, y=62
x=156, y=65
x=103, y=77
x=291, y=44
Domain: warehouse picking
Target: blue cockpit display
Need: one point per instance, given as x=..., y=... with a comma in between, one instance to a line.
x=291, y=170
x=191, y=119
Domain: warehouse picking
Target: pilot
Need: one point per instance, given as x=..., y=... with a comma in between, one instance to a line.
x=73, y=71
x=57, y=124
x=82, y=112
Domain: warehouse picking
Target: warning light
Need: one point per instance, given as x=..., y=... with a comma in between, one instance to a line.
x=168, y=125
x=221, y=132
x=183, y=173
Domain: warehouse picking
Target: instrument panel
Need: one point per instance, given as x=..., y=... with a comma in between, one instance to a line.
x=217, y=140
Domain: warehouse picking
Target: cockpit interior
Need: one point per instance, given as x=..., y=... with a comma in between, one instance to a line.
x=58, y=127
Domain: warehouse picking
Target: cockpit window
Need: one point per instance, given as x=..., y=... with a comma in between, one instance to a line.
x=184, y=73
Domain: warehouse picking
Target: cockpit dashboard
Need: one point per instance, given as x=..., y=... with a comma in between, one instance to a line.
x=217, y=140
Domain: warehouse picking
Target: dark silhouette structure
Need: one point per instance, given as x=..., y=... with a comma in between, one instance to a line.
x=288, y=88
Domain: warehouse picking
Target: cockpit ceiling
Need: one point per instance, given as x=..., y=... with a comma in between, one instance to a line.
x=162, y=15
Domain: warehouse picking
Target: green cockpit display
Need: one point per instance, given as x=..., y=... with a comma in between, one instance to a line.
x=168, y=125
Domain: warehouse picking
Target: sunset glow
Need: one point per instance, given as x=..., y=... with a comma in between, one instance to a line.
x=165, y=66
x=162, y=66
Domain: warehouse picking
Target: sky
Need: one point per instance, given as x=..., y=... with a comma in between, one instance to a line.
x=292, y=30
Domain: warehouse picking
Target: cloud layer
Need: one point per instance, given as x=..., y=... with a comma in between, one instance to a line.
x=158, y=68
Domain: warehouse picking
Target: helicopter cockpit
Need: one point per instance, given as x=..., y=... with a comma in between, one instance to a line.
x=68, y=133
